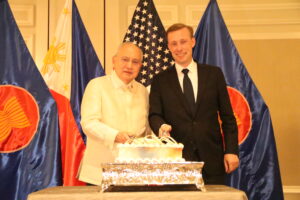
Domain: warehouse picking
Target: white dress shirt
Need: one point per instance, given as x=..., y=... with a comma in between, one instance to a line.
x=108, y=107
x=193, y=75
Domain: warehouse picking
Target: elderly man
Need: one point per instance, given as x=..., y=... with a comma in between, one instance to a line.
x=114, y=108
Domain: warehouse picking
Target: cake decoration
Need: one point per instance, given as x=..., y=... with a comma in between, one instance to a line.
x=150, y=149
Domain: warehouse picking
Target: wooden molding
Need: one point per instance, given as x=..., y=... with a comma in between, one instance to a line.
x=255, y=21
x=291, y=189
x=24, y=14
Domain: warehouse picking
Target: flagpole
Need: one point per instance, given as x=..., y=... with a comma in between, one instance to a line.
x=48, y=25
x=104, y=37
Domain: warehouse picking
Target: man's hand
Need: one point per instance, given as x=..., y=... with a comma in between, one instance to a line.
x=164, y=130
x=122, y=137
x=231, y=162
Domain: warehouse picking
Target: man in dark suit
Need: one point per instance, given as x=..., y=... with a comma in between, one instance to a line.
x=189, y=102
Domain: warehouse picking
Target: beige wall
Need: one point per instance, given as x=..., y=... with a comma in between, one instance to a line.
x=26, y=13
x=274, y=65
x=266, y=33
x=92, y=14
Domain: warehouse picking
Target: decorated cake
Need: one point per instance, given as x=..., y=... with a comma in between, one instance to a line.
x=151, y=164
x=150, y=149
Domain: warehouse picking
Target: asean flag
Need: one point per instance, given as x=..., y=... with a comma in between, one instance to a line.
x=29, y=137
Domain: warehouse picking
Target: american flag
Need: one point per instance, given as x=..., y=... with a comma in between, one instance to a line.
x=147, y=31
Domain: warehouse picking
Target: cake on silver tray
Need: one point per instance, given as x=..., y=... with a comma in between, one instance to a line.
x=151, y=161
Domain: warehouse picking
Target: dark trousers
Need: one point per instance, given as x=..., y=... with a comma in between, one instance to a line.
x=193, y=155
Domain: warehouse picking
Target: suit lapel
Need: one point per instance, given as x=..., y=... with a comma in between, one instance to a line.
x=202, y=79
x=174, y=84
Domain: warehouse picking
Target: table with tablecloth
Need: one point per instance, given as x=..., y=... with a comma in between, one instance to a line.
x=213, y=192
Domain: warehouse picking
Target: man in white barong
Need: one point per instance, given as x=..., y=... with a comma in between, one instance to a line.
x=114, y=109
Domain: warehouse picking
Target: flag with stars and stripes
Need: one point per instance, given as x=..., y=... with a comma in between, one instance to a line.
x=147, y=31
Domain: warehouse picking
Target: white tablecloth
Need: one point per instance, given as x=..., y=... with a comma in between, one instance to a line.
x=214, y=192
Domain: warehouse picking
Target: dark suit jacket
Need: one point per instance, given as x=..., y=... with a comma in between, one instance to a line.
x=200, y=132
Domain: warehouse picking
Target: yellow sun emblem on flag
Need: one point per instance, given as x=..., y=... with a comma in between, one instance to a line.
x=66, y=87
x=52, y=56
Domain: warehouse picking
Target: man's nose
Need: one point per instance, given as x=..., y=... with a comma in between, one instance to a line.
x=129, y=64
x=178, y=47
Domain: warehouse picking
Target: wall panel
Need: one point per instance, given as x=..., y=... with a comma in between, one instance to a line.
x=31, y=16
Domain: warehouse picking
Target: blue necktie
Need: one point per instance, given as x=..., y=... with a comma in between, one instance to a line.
x=188, y=90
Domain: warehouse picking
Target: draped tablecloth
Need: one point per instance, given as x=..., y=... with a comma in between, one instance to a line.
x=214, y=192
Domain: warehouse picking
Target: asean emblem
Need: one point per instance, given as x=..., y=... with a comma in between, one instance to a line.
x=242, y=113
x=19, y=117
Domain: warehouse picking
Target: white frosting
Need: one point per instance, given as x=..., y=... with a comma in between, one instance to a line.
x=150, y=149
x=147, y=160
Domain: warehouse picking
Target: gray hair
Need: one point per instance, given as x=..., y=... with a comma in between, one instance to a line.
x=124, y=44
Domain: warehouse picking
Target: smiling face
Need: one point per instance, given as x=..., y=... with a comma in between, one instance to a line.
x=127, y=62
x=181, y=46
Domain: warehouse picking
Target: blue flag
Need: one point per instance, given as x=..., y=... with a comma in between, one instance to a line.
x=85, y=63
x=258, y=174
x=29, y=138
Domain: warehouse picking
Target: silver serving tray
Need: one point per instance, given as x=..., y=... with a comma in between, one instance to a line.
x=154, y=174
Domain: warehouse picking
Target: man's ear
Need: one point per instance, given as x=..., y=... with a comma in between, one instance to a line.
x=193, y=42
x=114, y=59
